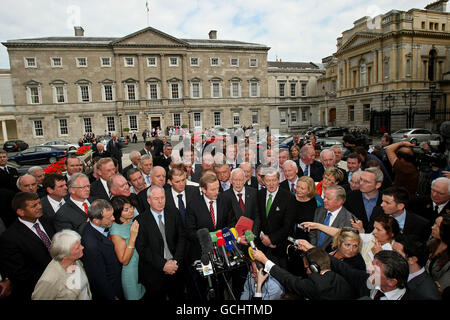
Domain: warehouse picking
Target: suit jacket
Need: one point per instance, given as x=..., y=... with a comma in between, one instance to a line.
x=423, y=287
x=190, y=192
x=24, y=257
x=163, y=162
x=98, y=191
x=114, y=151
x=199, y=217
x=7, y=214
x=253, y=182
x=8, y=179
x=104, y=154
x=342, y=220
x=316, y=171
x=285, y=185
x=70, y=216
x=278, y=223
x=47, y=209
x=103, y=269
x=198, y=169
x=150, y=246
x=125, y=170
x=415, y=224
x=250, y=205
x=354, y=203
x=423, y=206
x=143, y=151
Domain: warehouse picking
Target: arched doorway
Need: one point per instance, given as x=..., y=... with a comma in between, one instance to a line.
x=332, y=116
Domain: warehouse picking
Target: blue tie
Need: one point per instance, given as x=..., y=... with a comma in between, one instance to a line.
x=306, y=170
x=323, y=235
x=181, y=207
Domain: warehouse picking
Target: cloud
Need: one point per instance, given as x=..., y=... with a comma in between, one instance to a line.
x=296, y=30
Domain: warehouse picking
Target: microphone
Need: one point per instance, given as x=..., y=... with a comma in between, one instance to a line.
x=231, y=244
x=242, y=225
x=215, y=252
x=207, y=248
x=220, y=244
x=251, y=238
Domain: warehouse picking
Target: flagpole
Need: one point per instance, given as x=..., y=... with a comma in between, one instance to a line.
x=147, y=8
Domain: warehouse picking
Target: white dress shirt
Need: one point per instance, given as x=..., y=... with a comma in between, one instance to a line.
x=175, y=197
x=214, y=206
x=79, y=204
x=55, y=204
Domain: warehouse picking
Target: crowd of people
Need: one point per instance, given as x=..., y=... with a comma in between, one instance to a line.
x=334, y=223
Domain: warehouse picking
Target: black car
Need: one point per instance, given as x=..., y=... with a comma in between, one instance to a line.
x=314, y=130
x=38, y=155
x=15, y=145
x=332, y=132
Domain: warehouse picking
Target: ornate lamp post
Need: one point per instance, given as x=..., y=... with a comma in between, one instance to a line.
x=410, y=98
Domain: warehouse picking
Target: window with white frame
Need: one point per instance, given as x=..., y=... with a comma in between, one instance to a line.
x=108, y=94
x=82, y=62
x=38, y=129
x=56, y=62
x=132, y=120
x=34, y=95
x=175, y=91
x=294, y=116
x=85, y=94
x=255, y=118
x=195, y=62
x=253, y=62
x=281, y=87
x=195, y=90
x=59, y=92
x=217, y=118
x=87, y=125
x=303, y=89
x=110, y=123
x=216, y=89
x=131, y=91
x=293, y=91
x=236, y=120
x=30, y=62
x=153, y=91
x=214, y=62
x=177, y=119
x=197, y=119
x=283, y=117
x=234, y=62
x=254, y=89
x=63, y=128
x=151, y=62
x=105, y=61
x=128, y=61
x=173, y=61
x=235, y=89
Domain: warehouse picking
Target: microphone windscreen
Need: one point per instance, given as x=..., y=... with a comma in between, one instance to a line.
x=220, y=241
x=243, y=224
x=205, y=240
x=249, y=236
x=234, y=232
x=204, y=259
x=219, y=234
x=213, y=237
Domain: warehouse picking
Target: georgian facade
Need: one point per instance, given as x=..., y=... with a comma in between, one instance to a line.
x=398, y=61
x=67, y=86
x=293, y=92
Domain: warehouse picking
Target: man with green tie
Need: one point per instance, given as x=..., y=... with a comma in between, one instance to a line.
x=277, y=216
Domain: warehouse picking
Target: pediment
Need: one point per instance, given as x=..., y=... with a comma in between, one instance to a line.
x=358, y=39
x=149, y=37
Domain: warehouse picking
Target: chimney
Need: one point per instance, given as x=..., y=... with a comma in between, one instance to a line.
x=213, y=35
x=439, y=6
x=79, y=31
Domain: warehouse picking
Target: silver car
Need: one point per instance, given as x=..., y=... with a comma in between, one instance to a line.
x=415, y=135
x=61, y=144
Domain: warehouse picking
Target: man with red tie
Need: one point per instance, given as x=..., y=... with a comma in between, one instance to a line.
x=24, y=246
x=290, y=170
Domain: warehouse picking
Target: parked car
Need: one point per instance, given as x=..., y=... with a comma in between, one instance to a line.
x=15, y=145
x=38, y=155
x=332, y=132
x=61, y=144
x=415, y=135
x=314, y=130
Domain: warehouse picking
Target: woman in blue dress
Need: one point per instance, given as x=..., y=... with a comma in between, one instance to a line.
x=123, y=234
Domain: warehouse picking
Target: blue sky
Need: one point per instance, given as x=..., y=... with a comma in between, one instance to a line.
x=295, y=30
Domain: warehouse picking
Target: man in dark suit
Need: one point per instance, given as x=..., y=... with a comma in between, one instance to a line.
x=420, y=284
x=365, y=203
x=135, y=158
x=161, y=244
x=165, y=159
x=73, y=214
x=290, y=170
x=276, y=211
x=73, y=165
x=328, y=160
x=321, y=282
x=56, y=188
x=24, y=246
x=207, y=163
x=308, y=165
x=8, y=174
x=435, y=205
x=331, y=214
x=250, y=180
x=39, y=174
x=103, y=269
x=147, y=149
x=394, y=203
x=101, y=152
x=105, y=170
x=223, y=173
x=114, y=147
x=158, y=146
x=366, y=157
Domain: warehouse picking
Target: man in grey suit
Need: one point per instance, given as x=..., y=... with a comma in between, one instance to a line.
x=331, y=214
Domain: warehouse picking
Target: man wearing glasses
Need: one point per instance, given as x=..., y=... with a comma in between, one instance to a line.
x=73, y=214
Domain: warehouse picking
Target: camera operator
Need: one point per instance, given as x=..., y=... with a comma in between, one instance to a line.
x=402, y=159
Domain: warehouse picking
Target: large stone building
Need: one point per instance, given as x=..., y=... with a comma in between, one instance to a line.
x=399, y=61
x=293, y=91
x=68, y=86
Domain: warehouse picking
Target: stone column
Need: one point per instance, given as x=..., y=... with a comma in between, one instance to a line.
x=119, y=84
x=375, y=67
x=164, y=92
x=142, y=94
x=4, y=131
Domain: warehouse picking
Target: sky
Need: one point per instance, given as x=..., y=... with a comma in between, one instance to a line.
x=295, y=30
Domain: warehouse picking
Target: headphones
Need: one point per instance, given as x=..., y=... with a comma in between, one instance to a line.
x=314, y=267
